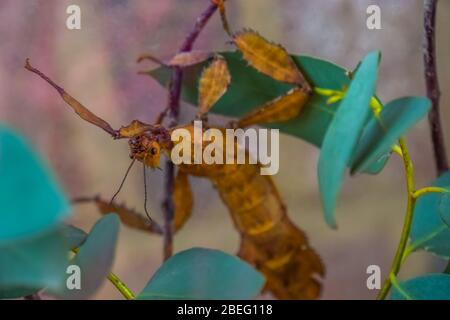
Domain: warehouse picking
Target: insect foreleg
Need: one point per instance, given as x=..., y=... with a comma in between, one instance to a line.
x=129, y=217
x=81, y=110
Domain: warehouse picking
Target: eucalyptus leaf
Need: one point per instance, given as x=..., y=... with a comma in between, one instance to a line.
x=16, y=292
x=344, y=132
x=428, y=287
x=429, y=231
x=75, y=237
x=36, y=262
x=94, y=258
x=379, y=135
x=444, y=208
x=203, y=274
x=30, y=200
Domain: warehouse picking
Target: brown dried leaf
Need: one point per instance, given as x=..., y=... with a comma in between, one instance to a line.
x=269, y=58
x=214, y=82
x=135, y=128
x=282, y=108
x=185, y=59
x=182, y=198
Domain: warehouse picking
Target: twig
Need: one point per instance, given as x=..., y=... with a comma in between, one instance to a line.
x=432, y=84
x=174, y=110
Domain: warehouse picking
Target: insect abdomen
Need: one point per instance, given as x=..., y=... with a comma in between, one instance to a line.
x=269, y=240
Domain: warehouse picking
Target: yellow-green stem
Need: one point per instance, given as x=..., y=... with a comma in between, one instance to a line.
x=421, y=192
x=123, y=289
x=115, y=280
x=395, y=267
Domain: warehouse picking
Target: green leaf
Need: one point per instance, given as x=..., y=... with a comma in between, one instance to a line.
x=378, y=137
x=16, y=292
x=444, y=208
x=203, y=274
x=344, y=132
x=94, y=258
x=428, y=287
x=30, y=200
x=428, y=230
x=75, y=237
x=35, y=262
x=250, y=89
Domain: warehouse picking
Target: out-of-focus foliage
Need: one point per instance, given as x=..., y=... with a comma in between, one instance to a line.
x=428, y=287
x=203, y=274
x=95, y=257
x=429, y=231
x=31, y=201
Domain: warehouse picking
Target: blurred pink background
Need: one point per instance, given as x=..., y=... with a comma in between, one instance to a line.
x=97, y=65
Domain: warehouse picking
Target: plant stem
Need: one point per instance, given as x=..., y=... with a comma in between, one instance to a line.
x=174, y=110
x=426, y=190
x=123, y=289
x=432, y=84
x=395, y=267
x=115, y=280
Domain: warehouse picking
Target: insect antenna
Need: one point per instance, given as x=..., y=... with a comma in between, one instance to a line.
x=145, y=193
x=123, y=181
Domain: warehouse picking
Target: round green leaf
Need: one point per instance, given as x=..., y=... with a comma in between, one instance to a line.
x=344, y=132
x=16, y=292
x=75, y=237
x=36, y=262
x=429, y=231
x=203, y=274
x=396, y=118
x=444, y=208
x=427, y=287
x=30, y=200
x=94, y=258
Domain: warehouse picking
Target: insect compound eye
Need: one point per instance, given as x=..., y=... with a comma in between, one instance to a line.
x=153, y=151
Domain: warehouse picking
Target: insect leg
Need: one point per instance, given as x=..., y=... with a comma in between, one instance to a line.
x=221, y=5
x=79, y=109
x=129, y=217
x=281, y=109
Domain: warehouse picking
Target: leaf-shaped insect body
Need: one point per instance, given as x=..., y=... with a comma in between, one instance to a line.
x=280, y=109
x=182, y=199
x=269, y=240
x=185, y=59
x=269, y=58
x=135, y=128
x=213, y=84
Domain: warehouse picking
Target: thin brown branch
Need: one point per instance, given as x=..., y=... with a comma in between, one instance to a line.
x=432, y=84
x=174, y=110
